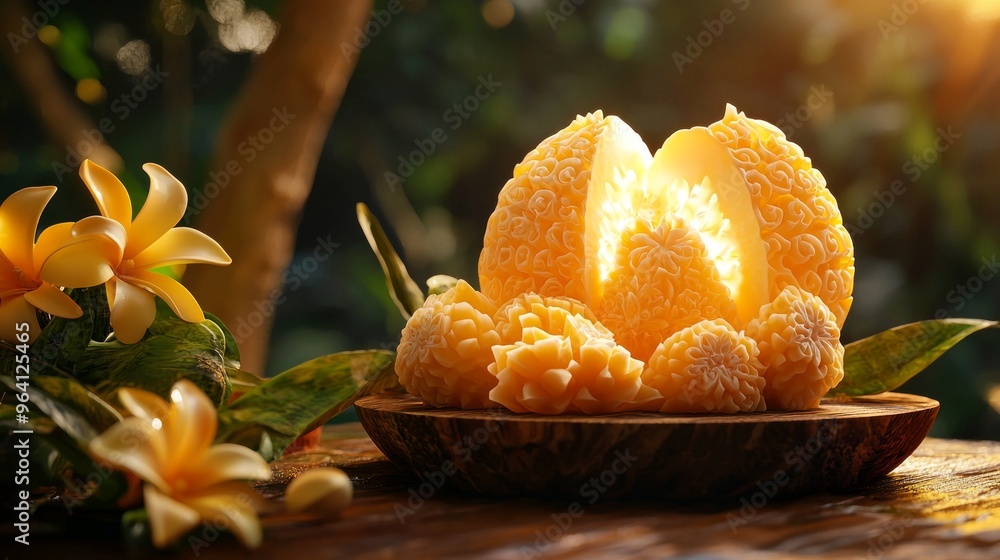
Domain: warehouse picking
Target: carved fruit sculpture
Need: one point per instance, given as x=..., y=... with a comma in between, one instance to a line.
x=711, y=276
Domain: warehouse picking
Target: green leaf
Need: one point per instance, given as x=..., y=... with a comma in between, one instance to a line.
x=57, y=407
x=242, y=381
x=886, y=360
x=98, y=412
x=62, y=342
x=37, y=423
x=88, y=482
x=172, y=350
x=269, y=417
x=60, y=459
x=232, y=354
x=96, y=305
x=440, y=283
x=404, y=291
x=137, y=537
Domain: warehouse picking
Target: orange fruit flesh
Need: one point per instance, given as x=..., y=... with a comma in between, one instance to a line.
x=664, y=280
x=694, y=177
x=614, y=198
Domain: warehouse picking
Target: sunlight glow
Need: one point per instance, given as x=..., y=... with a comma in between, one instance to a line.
x=983, y=9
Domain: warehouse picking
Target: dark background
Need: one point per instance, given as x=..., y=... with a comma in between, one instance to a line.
x=892, y=75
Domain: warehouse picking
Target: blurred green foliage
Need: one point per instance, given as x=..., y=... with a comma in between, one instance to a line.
x=901, y=73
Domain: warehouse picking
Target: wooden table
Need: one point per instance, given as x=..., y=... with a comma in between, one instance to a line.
x=943, y=502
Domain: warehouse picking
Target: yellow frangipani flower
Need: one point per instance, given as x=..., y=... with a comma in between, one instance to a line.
x=187, y=479
x=123, y=253
x=21, y=288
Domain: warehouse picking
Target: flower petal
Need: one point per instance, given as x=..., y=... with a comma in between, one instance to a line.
x=133, y=444
x=99, y=225
x=133, y=310
x=18, y=220
x=51, y=240
x=171, y=291
x=168, y=519
x=78, y=266
x=181, y=246
x=164, y=207
x=15, y=310
x=111, y=196
x=229, y=461
x=10, y=279
x=84, y=255
x=143, y=404
x=233, y=502
x=191, y=425
x=54, y=301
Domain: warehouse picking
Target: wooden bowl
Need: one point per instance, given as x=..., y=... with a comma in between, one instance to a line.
x=843, y=443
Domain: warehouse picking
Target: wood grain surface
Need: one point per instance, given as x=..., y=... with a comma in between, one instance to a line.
x=667, y=457
x=943, y=502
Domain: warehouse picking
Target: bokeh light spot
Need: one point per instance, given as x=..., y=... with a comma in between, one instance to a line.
x=498, y=13
x=626, y=29
x=226, y=11
x=178, y=17
x=253, y=32
x=49, y=35
x=993, y=397
x=90, y=91
x=134, y=57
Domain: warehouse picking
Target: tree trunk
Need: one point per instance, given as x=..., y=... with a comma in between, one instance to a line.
x=268, y=151
x=34, y=68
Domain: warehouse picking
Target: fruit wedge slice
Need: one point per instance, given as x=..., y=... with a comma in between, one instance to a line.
x=807, y=243
x=694, y=177
x=566, y=202
x=616, y=193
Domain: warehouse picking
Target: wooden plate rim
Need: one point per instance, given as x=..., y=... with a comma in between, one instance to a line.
x=871, y=406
